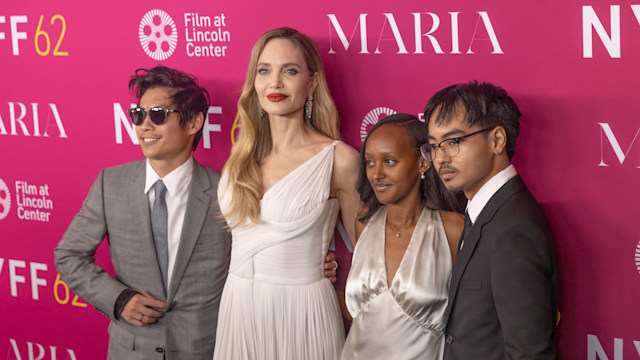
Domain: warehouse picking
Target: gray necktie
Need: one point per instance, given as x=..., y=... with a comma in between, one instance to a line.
x=159, y=228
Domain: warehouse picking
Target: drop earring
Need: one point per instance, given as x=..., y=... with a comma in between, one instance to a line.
x=308, y=107
x=422, y=173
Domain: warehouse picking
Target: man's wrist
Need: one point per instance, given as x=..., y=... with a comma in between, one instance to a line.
x=122, y=301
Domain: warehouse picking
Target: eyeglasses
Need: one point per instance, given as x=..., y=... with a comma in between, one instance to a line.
x=449, y=147
x=157, y=114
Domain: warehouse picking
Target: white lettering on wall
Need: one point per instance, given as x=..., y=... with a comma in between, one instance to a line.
x=15, y=276
x=120, y=119
x=362, y=20
x=208, y=128
x=36, y=351
x=591, y=21
x=18, y=114
x=388, y=17
x=605, y=130
x=393, y=20
x=595, y=351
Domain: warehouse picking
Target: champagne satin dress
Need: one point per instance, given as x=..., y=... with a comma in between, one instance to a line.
x=405, y=320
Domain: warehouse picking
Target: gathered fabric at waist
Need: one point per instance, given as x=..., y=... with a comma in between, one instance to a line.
x=283, y=265
x=285, y=254
x=283, y=282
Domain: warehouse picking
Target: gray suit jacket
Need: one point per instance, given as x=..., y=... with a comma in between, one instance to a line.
x=503, y=292
x=118, y=208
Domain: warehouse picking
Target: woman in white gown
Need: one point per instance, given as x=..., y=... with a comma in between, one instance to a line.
x=397, y=287
x=281, y=190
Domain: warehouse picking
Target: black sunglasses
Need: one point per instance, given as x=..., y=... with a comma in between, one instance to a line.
x=157, y=114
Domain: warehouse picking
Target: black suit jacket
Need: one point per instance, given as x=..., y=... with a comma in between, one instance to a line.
x=503, y=293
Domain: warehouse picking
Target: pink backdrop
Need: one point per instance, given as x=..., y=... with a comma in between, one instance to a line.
x=570, y=65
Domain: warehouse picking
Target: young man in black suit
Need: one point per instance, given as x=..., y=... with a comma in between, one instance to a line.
x=503, y=292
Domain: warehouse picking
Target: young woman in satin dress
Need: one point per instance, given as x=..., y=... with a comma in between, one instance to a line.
x=397, y=287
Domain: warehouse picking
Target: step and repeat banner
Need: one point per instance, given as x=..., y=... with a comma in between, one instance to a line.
x=571, y=66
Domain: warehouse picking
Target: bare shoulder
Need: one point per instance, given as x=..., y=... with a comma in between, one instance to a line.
x=346, y=157
x=345, y=149
x=345, y=168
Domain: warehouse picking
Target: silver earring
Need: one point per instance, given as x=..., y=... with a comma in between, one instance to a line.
x=422, y=175
x=308, y=107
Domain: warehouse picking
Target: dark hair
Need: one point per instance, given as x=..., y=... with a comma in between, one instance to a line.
x=433, y=194
x=484, y=104
x=187, y=95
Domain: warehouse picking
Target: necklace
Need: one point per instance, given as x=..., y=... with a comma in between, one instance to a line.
x=396, y=230
x=411, y=224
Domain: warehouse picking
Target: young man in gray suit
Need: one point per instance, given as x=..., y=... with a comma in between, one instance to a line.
x=503, y=292
x=169, y=249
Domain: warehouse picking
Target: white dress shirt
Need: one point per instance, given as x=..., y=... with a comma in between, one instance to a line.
x=178, y=183
x=486, y=192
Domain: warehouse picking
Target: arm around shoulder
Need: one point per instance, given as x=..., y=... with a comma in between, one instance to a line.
x=344, y=179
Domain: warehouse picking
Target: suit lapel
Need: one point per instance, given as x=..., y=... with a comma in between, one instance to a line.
x=198, y=205
x=140, y=204
x=511, y=187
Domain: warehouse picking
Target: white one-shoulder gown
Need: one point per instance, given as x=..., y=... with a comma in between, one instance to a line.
x=276, y=303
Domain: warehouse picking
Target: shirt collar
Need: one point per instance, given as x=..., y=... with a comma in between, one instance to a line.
x=173, y=181
x=482, y=197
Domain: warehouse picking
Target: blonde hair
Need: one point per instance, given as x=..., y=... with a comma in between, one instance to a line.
x=254, y=141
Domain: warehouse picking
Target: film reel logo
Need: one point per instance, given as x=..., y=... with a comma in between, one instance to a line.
x=372, y=118
x=158, y=34
x=5, y=200
x=637, y=256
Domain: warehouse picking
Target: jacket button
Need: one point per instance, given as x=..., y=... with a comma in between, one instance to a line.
x=159, y=350
x=449, y=339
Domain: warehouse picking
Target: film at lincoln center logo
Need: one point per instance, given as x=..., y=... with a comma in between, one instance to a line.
x=158, y=34
x=5, y=200
x=372, y=118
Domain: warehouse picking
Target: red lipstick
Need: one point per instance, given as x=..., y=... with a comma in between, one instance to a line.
x=276, y=97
